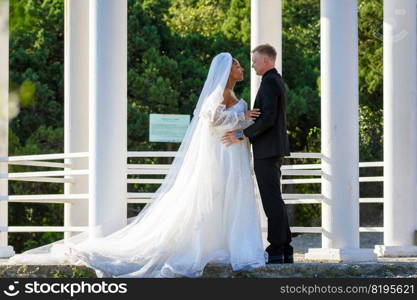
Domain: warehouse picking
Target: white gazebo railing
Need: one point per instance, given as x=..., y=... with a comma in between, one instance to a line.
x=145, y=173
x=61, y=176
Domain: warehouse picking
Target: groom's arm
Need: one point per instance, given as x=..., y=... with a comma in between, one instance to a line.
x=269, y=109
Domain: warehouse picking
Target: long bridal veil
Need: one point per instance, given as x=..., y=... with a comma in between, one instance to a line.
x=168, y=231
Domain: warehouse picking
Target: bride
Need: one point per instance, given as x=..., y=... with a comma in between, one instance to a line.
x=204, y=212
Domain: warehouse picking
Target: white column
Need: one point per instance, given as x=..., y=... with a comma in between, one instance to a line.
x=5, y=250
x=76, y=106
x=340, y=134
x=266, y=27
x=108, y=116
x=400, y=137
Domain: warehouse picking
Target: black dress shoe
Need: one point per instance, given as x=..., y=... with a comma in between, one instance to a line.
x=288, y=254
x=288, y=259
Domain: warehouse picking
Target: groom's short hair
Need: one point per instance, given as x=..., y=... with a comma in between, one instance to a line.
x=266, y=49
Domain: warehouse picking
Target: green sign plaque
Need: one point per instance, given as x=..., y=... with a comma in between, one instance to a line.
x=168, y=128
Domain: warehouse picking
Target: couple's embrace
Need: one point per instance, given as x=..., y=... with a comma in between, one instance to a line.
x=206, y=211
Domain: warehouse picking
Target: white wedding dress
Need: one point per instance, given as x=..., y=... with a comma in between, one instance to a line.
x=204, y=212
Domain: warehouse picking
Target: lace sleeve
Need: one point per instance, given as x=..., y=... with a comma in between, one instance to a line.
x=246, y=123
x=223, y=120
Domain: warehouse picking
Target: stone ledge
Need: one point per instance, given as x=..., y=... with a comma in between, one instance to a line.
x=320, y=270
x=383, y=268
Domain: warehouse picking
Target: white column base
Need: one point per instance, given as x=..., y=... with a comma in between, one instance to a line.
x=6, y=252
x=395, y=251
x=341, y=255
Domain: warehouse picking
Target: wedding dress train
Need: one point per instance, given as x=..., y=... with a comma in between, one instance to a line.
x=204, y=212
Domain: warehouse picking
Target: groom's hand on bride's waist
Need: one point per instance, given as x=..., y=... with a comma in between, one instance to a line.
x=232, y=137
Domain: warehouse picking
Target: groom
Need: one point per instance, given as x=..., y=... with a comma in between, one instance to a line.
x=269, y=139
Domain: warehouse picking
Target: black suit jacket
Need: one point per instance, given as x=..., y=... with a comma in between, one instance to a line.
x=269, y=133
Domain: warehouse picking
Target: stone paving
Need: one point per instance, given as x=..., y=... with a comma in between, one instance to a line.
x=384, y=267
x=387, y=267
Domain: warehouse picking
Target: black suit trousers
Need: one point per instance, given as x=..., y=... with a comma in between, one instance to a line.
x=268, y=174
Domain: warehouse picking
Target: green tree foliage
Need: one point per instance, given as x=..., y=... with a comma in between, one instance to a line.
x=36, y=76
x=301, y=67
x=171, y=44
